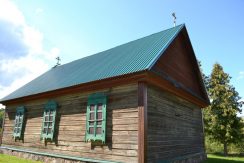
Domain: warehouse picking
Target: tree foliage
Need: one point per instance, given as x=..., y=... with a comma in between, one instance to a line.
x=204, y=77
x=221, y=121
x=1, y=117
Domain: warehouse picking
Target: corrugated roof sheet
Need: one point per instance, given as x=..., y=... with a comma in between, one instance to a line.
x=128, y=58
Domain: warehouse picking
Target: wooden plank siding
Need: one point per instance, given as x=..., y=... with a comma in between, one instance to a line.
x=174, y=126
x=178, y=64
x=142, y=125
x=122, y=126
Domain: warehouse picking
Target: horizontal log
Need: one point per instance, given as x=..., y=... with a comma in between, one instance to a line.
x=121, y=134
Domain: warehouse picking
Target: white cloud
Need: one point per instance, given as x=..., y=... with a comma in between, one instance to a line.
x=53, y=53
x=2, y=106
x=241, y=75
x=33, y=38
x=29, y=58
x=10, y=12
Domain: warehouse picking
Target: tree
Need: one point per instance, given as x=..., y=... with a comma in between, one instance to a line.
x=204, y=77
x=206, y=111
x=1, y=118
x=221, y=121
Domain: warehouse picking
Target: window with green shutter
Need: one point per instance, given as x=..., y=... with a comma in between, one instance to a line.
x=96, y=118
x=18, y=123
x=48, y=124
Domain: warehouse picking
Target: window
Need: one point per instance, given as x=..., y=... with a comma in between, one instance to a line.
x=18, y=122
x=96, y=118
x=48, y=124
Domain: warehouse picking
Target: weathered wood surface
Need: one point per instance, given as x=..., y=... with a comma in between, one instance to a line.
x=122, y=126
x=142, y=127
x=178, y=63
x=174, y=126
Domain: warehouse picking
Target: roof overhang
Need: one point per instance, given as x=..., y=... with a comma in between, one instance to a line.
x=89, y=86
x=177, y=89
x=146, y=76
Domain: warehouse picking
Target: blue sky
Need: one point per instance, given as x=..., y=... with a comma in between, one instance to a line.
x=34, y=33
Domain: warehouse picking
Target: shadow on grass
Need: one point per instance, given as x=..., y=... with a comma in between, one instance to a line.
x=219, y=160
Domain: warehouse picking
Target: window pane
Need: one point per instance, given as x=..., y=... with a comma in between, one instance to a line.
x=99, y=122
x=92, y=116
x=99, y=106
x=99, y=115
x=19, y=124
x=51, y=118
x=51, y=112
x=49, y=130
x=16, y=124
x=50, y=124
x=91, y=123
x=45, y=130
x=46, y=118
x=91, y=130
x=45, y=124
x=92, y=107
x=99, y=130
x=18, y=130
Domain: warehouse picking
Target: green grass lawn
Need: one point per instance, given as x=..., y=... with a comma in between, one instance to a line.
x=220, y=159
x=12, y=159
x=211, y=159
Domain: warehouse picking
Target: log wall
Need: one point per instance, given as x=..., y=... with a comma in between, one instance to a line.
x=178, y=64
x=122, y=126
x=174, y=127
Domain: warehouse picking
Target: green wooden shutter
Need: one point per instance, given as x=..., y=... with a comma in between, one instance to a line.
x=96, y=118
x=90, y=123
x=44, y=124
x=18, y=123
x=49, y=119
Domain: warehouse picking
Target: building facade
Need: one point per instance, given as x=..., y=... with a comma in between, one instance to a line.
x=137, y=102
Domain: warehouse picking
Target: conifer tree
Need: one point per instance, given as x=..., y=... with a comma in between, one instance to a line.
x=221, y=121
x=204, y=77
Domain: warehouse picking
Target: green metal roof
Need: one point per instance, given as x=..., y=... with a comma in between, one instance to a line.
x=134, y=56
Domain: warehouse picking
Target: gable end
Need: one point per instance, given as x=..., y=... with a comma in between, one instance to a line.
x=179, y=66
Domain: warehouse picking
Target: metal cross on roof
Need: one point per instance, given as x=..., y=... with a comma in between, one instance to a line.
x=174, y=17
x=58, y=62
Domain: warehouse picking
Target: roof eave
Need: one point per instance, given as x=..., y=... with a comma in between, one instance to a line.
x=144, y=75
x=89, y=86
x=176, y=89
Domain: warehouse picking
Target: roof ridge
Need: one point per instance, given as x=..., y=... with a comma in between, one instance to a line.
x=124, y=44
x=133, y=56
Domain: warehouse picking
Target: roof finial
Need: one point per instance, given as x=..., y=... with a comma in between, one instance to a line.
x=58, y=62
x=174, y=18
